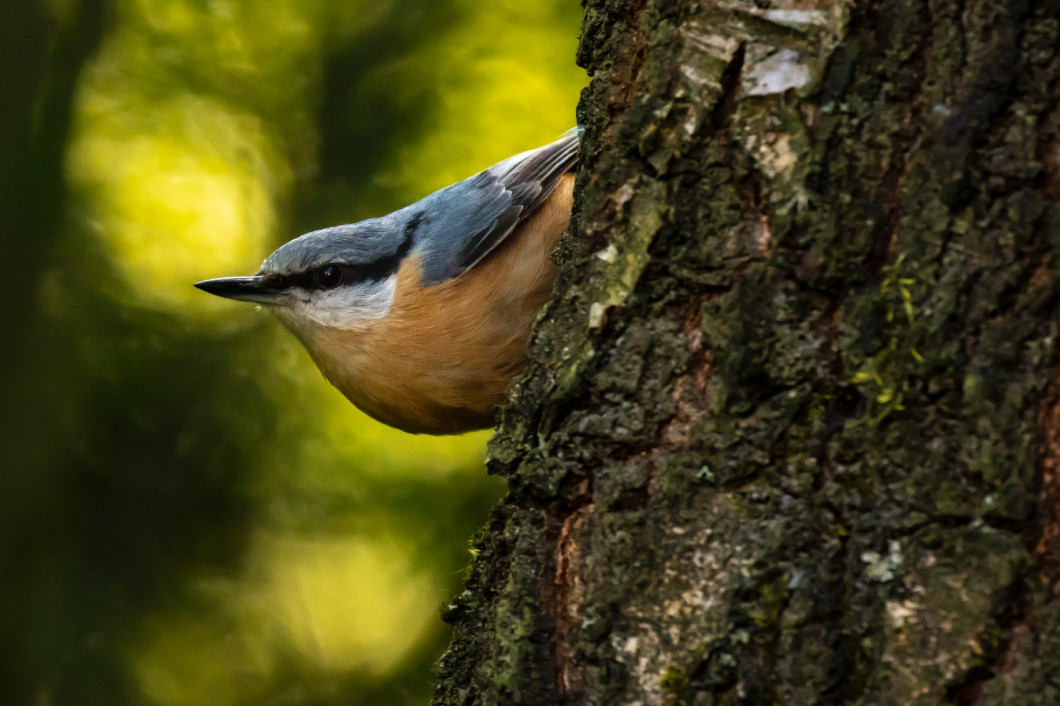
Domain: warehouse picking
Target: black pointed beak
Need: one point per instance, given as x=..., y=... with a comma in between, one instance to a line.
x=245, y=289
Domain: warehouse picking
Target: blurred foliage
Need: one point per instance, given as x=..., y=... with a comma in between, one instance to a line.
x=189, y=514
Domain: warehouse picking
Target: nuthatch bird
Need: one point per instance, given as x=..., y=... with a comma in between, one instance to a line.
x=421, y=317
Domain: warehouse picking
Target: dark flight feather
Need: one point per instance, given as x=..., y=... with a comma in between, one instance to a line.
x=464, y=223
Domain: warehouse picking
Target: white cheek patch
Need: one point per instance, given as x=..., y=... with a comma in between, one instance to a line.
x=350, y=307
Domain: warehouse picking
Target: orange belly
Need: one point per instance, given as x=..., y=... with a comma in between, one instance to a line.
x=441, y=360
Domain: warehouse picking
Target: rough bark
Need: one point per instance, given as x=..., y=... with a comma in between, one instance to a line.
x=792, y=429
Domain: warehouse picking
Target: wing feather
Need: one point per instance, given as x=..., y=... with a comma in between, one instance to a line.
x=462, y=224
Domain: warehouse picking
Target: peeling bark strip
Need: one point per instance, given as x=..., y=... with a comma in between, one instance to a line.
x=788, y=436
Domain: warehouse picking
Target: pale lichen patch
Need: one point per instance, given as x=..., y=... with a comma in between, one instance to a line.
x=607, y=254
x=796, y=18
x=776, y=73
x=596, y=315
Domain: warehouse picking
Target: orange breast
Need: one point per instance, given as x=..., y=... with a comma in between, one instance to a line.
x=440, y=362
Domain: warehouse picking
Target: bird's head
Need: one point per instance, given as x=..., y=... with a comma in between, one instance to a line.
x=342, y=278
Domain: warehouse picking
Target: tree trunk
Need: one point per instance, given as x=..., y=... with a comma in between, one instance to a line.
x=791, y=433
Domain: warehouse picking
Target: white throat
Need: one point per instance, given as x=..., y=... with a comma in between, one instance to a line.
x=353, y=307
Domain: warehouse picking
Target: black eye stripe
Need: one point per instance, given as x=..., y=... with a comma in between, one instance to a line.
x=351, y=273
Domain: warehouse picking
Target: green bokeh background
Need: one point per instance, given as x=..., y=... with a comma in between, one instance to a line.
x=189, y=514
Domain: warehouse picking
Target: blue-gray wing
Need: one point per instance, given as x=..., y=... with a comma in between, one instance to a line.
x=461, y=224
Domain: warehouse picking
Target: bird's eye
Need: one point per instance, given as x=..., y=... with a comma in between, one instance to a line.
x=329, y=277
